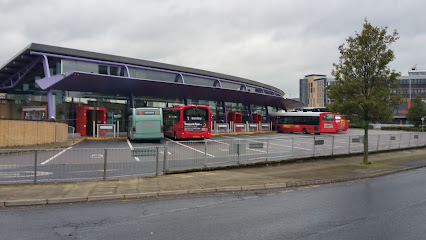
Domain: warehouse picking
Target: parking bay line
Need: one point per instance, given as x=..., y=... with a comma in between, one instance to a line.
x=58, y=154
x=131, y=148
x=191, y=148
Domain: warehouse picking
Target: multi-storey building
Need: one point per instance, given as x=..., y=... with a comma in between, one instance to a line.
x=411, y=85
x=312, y=90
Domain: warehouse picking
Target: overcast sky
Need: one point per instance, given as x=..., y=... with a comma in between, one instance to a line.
x=274, y=42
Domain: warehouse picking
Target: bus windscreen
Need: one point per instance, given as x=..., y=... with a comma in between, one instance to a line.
x=196, y=119
x=328, y=117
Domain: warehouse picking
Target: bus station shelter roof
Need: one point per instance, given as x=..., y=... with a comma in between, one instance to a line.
x=14, y=71
x=105, y=84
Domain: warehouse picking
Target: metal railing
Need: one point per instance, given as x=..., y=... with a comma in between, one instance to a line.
x=240, y=127
x=77, y=164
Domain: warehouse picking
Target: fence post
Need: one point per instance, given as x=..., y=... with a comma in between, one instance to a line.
x=94, y=129
x=349, y=147
x=424, y=139
x=118, y=128
x=35, y=167
x=166, y=153
x=417, y=140
x=378, y=143
x=313, y=150
x=400, y=136
x=105, y=163
x=205, y=153
x=332, y=145
x=267, y=149
x=238, y=151
x=409, y=141
x=157, y=162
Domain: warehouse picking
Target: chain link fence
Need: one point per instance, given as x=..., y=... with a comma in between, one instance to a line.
x=79, y=164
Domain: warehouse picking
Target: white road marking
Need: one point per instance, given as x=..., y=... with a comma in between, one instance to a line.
x=191, y=148
x=58, y=154
x=131, y=148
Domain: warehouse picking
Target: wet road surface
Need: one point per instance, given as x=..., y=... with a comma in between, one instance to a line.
x=390, y=207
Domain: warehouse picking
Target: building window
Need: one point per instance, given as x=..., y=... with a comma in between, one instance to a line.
x=232, y=86
x=199, y=81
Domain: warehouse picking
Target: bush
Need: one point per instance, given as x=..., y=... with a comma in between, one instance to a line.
x=398, y=128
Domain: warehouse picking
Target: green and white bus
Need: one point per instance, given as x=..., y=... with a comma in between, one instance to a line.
x=145, y=124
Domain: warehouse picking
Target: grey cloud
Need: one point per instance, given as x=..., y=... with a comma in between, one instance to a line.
x=276, y=42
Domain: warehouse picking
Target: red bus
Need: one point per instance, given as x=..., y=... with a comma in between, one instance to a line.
x=305, y=122
x=185, y=122
x=341, y=123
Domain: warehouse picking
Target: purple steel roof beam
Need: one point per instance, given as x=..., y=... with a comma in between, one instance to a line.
x=19, y=75
x=181, y=79
x=225, y=118
x=267, y=114
x=50, y=106
x=219, y=84
x=250, y=113
x=46, y=66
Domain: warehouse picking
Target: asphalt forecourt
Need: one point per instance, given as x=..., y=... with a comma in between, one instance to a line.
x=92, y=159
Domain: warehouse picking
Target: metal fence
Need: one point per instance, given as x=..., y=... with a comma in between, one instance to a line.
x=77, y=164
x=240, y=127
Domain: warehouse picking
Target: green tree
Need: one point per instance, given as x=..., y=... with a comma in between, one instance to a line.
x=416, y=111
x=364, y=82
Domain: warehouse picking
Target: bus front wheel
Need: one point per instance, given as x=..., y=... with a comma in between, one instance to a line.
x=304, y=131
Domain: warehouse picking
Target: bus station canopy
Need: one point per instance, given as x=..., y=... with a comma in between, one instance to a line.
x=104, y=84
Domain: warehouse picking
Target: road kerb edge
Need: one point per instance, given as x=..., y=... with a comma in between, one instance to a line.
x=202, y=190
x=105, y=197
x=275, y=185
x=229, y=189
x=176, y=192
x=25, y=202
x=253, y=187
x=66, y=200
x=140, y=195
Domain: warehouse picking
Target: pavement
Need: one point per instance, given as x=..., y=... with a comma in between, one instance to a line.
x=271, y=175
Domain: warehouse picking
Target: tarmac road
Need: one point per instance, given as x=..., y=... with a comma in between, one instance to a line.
x=390, y=207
